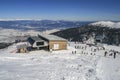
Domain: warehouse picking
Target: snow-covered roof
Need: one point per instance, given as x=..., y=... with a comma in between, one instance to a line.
x=36, y=38
x=21, y=45
x=52, y=37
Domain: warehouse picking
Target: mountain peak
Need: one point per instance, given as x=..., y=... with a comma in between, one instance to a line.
x=107, y=24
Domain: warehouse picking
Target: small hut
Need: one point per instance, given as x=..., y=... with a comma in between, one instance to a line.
x=22, y=47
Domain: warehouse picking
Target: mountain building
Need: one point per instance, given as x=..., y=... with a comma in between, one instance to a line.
x=48, y=42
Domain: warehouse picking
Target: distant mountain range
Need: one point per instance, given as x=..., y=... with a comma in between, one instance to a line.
x=40, y=25
x=103, y=31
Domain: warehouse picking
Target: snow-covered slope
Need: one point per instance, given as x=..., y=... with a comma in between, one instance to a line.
x=60, y=65
x=107, y=24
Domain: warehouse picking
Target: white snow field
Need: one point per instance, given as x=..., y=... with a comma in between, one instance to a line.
x=88, y=63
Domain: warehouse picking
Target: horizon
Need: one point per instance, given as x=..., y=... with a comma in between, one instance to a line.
x=68, y=10
x=30, y=19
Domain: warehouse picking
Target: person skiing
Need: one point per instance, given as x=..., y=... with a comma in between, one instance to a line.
x=105, y=53
x=114, y=55
x=75, y=51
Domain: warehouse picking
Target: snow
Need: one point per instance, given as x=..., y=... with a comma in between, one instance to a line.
x=112, y=47
x=51, y=31
x=107, y=24
x=8, y=35
x=88, y=63
x=110, y=68
x=60, y=65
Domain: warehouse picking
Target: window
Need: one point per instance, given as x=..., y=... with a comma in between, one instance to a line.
x=40, y=43
x=56, y=46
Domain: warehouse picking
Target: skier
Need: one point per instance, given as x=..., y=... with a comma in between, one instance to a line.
x=114, y=55
x=72, y=52
x=105, y=53
x=75, y=52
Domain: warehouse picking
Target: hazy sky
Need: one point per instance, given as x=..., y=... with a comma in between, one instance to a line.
x=83, y=10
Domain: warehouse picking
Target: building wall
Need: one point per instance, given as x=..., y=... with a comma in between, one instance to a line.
x=58, y=45
x=23, y=50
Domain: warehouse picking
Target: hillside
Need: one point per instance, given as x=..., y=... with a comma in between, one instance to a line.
x=109, y=35
x=61, y=65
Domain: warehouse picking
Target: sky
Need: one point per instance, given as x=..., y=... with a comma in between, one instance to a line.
x=78, y=10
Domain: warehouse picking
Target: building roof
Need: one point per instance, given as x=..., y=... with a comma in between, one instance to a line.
x=36, y=38
x=52, y=37
x=21, y=45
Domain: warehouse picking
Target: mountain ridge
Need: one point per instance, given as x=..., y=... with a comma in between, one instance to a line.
x=85, y=32
x=110, y=24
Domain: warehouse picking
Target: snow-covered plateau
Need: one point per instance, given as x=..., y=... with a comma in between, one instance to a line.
x=88, y=63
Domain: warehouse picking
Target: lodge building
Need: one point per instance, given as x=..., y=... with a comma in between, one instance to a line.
x=48, y=42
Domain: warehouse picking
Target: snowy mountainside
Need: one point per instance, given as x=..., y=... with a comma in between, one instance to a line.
x=88, y=63
x=107, y=24
x=60, y=65
x=107, y=32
